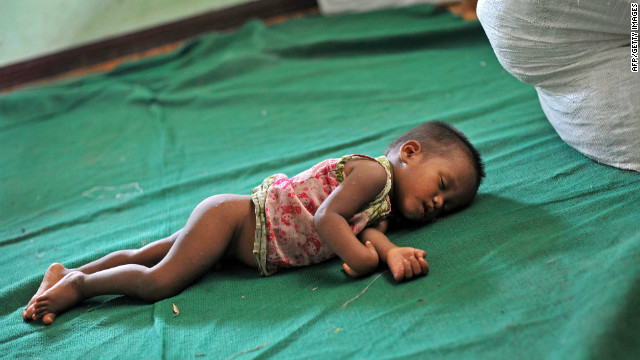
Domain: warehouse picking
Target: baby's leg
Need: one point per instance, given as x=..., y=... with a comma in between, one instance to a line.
x=218, y=224
x=148, y=255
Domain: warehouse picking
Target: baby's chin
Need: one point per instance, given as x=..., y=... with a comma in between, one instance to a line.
x=413, y=216
x=407, y=213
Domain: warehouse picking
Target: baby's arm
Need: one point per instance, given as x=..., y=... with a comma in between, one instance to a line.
x=364, y=180
x=404, y=262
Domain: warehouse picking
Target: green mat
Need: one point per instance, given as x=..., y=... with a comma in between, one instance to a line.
x=545, y=264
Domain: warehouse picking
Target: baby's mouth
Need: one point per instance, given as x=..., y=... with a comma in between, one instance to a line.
x=427, y=212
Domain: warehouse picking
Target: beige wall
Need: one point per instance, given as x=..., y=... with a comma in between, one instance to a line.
x=33, y=28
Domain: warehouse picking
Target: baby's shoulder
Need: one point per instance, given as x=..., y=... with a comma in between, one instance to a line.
x=365, y=169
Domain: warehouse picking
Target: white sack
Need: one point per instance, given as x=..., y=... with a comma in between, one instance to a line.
x=577, y=54
x=332, y=7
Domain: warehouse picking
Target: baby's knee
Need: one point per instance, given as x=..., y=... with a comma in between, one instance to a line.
x=230, y=208
x=157, y=286
x=217, y=204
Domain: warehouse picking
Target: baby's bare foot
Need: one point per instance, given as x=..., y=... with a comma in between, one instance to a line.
x=60, y=297
x=54, y=273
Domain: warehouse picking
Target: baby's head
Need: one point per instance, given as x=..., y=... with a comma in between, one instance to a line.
x=436, y=171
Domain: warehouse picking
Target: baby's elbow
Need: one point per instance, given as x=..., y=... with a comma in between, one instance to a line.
x=366, y=265
x=319, y=218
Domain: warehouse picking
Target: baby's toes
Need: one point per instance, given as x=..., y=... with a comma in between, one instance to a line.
x=48, y=318
x=28, y=312
x=40, y=304
x=41, y=308
x=39, y=313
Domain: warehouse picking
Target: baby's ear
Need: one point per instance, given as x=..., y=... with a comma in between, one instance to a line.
x=409, y=150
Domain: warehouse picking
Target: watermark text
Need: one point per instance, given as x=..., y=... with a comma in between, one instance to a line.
x=634, y=37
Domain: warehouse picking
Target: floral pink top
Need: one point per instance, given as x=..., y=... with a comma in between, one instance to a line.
x=285, y=234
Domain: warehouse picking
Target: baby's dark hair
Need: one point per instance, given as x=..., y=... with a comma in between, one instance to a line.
x=439, y=138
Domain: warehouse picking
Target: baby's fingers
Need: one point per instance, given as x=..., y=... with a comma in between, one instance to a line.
x=419, y=253
x=350, y=271
x=408, y=269
x=423, y=265
x=397, y=270
x=416, y=268
x=371, y=248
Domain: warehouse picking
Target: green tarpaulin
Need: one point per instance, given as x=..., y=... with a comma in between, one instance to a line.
x=544, y=264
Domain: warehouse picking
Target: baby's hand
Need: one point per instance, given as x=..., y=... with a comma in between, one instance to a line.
x=356, y=274
x=407, y=262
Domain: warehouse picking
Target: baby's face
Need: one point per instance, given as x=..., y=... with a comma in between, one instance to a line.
x=433, y=187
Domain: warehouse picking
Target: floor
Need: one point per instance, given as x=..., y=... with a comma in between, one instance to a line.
x=464, y=9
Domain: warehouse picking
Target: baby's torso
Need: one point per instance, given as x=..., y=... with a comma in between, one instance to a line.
x=292, y=202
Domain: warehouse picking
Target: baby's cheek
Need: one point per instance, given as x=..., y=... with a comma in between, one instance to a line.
x=408, y=209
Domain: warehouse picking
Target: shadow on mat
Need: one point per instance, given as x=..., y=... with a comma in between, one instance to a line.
x=496, y=239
